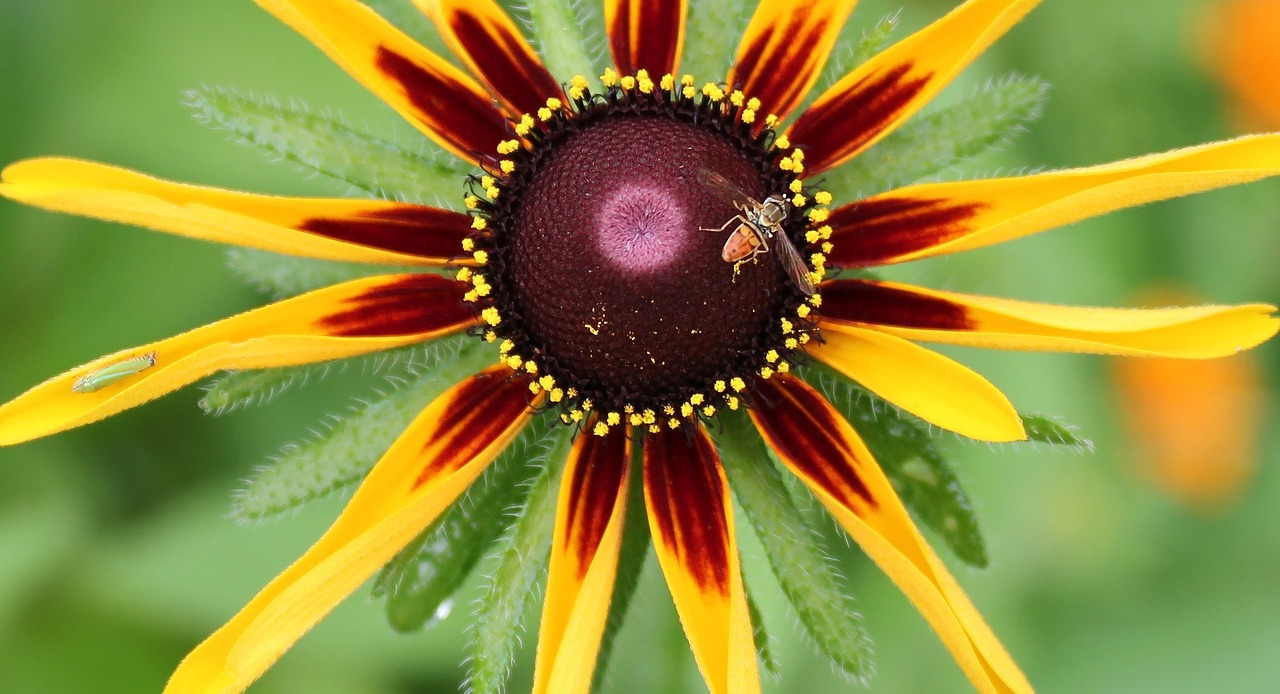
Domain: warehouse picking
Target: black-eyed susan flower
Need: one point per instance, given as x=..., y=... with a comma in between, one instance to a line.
x=647, y=256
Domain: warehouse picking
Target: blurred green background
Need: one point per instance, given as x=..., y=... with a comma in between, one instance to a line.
x=116, y=552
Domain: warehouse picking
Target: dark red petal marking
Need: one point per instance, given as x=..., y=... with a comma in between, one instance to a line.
x=803, y=428
x=481, y=410
x=839, y=124
x=861, y=301
x=426, y=232
x=774, y=65
x=594, y=492
x=879, y=230
x=686, y=498
x=459, y=115
x=656, y=42
x=428, y=304
x=504, y=61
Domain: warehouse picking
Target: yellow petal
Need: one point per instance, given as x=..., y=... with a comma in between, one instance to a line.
x=1198, y=332
x=691, y=517
x=877, y=97
x=921, y=381
x=820, y=447
x=481, y=34
x=784, y=49
x=358, y=231
x=584, y=561
x=646, y=34
x=433, y=462
x=939, y=218
x=437, y=98
x=357, y=317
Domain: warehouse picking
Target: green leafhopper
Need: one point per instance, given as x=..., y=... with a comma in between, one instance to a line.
x=107, y=375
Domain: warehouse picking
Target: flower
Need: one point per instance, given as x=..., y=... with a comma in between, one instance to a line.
x=587, y=259
x=1242, y=43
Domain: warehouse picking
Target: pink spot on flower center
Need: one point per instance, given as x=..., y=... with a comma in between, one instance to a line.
x=641, y=228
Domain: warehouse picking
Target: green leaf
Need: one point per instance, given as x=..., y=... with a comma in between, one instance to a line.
x=327, y=145
x=760, y=635
x=421, y=580
x=281, y=276
x=518, y=576
x=711, y=38
x=852, y=49
x=569, y=35
x=1042, y=429
x=631, y=561
x=910, y=459
x=338, y=458
x=942, y=137
x=805, y=571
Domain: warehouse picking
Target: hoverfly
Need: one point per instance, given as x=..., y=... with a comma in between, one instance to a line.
x=107, y=375
x=757, y=224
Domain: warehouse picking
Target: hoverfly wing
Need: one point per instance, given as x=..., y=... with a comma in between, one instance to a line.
x=791, y=261
x=723, y=187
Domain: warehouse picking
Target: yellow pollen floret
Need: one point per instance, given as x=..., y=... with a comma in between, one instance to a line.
x=798, y=167
x=564, y=418
x=506, y=346
x=686, y=409
x=576, y=93
x=579, y=81
x=586, y=404
x=576, y=415
x=491, y=316
x=787, y=327
x=490, y=336
x=649, y=416
x=819, y=215
x=824, y=231
x=481, y=257
x=709, y=411
x=689, y=92
x=482, y=290
x=477, y=223
x=464, y=275
x=771, y=356
x=613, y=418
x=471, y=202
x=673, y=423
x=686, y=80
x=812, y=236
x=712, y=91
x=786, y=164
x=508, y=146
x=573, y=393
x=557, y=395
x=719, y=386
x=804, y=338
x=799, y=200
x=492, y=192
x=753, y=104
x=654, y=428
x=547, y=381
x=737, y=97
x=766, y=373
x=600, y=429
x=784, y=367
x=697, y=399
x=507, y=166
x=628, y=408
x=525, y=125
x=635, y=419
x=471, y=297
x=816, y=300
x=554, y=104
x=668, y=81
x=827, y=247
x=771, y=120
x=646, y=84
x=531, y=366
x=628, y=83
x=535, y=388
x=748, y=116
x=803, y=310
x=738, y=384
x=822, y=197
x=609, y=78
x=792, y=343
x=668, y=410
x=797, y=154
x=514, y=361
x=732, y=402
x=818, y=260
x=782, y=142
x=796, y=186
x=544, y=114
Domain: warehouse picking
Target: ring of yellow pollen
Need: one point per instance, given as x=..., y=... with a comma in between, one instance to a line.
x=601, y=264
